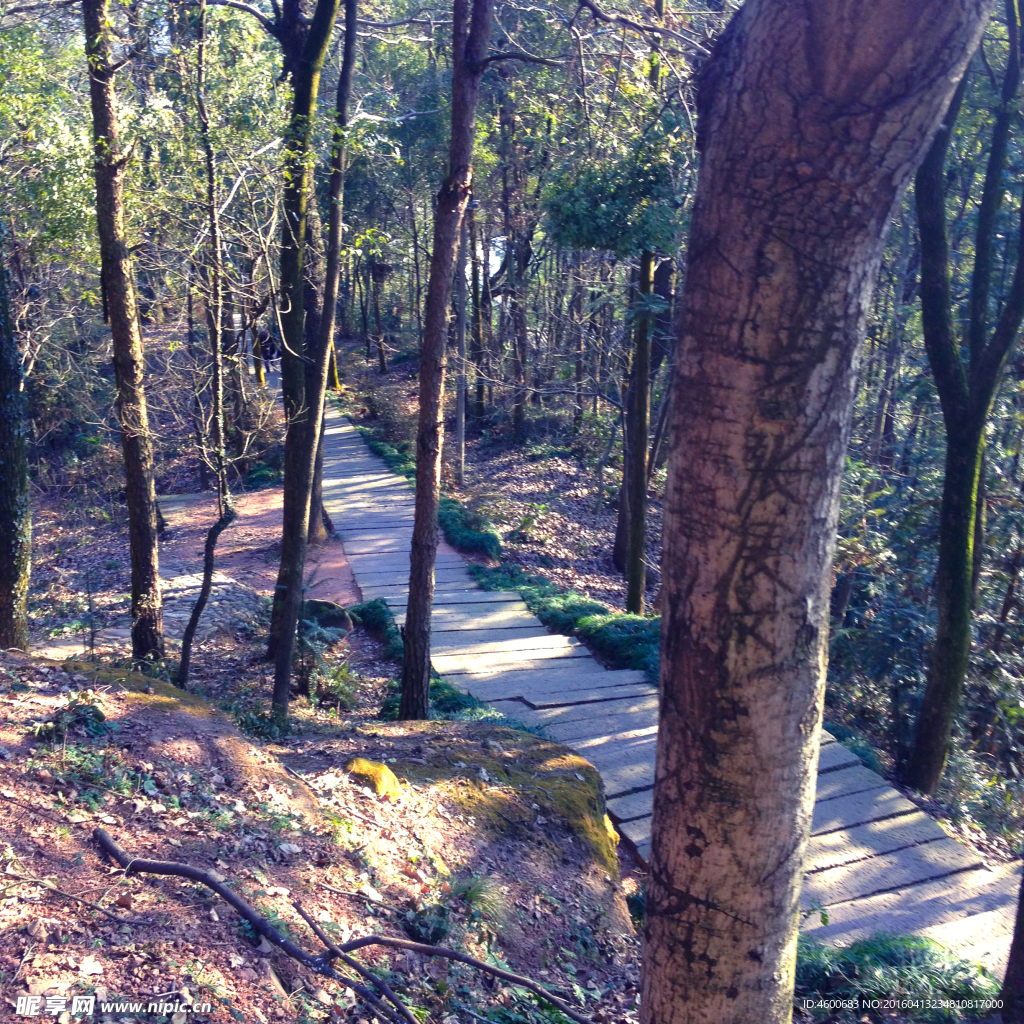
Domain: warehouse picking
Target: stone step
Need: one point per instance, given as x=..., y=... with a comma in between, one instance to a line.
x=456, y=664
x=502, y=642
x=457, y=600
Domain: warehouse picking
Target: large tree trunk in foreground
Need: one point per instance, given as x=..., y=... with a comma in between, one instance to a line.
x=119, y=293
x=304, y=471
x=966, y=393
x=15, y=505
x=470, y=38
x=812, y=119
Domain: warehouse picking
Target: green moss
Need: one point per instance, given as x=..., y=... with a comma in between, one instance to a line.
x=377, y=618
x=626, y=641
x=466, y=529
x=446, y=704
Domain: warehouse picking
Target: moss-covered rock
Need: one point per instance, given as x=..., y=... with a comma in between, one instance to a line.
x=379, y=777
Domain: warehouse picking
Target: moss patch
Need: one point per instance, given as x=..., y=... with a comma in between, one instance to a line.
x=625, y=641
x=379, y=777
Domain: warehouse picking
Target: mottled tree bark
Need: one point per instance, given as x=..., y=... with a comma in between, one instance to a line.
x=471, y=33
x=812, y=118
x=119, y=292
x=15, y=505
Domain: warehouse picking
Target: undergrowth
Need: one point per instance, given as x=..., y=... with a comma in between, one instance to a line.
x=625, y=641
x=376, y=617
x=446, y=704
x=919, y=972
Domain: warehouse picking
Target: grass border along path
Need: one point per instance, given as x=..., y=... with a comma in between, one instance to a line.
x=625, y=641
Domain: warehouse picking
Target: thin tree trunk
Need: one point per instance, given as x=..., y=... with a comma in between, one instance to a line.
x=306, y=466
x=477, y=328
x=802, y=161
x=15, y=504
x=471, y=35
x=129, y=364
x=460, y=379
x=966, y=395
x=298, y=180
x=639, y=404
x=1012, y=993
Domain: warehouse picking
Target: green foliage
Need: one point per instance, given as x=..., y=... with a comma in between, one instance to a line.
x=623, y=205
x=82, y=714
x=891, y=967
x=446, y=704
x=626, y=641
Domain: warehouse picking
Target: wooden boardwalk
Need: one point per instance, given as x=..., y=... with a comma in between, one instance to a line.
x=875, y=861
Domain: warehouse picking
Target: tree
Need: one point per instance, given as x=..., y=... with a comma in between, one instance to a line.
x=966, y=376
x=305, y=470
x=471, y=34
x=304, y=63
x=118, y=287
x=811, y=121
x=625, y=205
x=15, y=506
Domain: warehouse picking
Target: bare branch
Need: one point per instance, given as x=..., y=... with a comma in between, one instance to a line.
x=645, y=29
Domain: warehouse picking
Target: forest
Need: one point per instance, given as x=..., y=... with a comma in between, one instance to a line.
x=689, y=330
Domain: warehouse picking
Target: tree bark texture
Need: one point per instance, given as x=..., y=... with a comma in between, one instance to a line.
x=298, y=179
x=15, y=503
x=1012, y=993
x=965, y=393
x=119, y=293
x=812, y=118
x=304, y=472
x=471, y=33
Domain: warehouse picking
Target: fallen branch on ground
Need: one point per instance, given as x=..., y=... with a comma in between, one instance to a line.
x=259, y=924
x=440, y=951
x=322, y=964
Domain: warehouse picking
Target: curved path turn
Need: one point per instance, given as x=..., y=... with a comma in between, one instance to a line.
x=875, y=861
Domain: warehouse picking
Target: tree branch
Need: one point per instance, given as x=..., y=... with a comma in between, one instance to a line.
x=644, y=29
x=239, y=5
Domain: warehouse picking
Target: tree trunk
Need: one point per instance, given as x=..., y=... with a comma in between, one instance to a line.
x=305, y=468
x=298, y=179
x=477, y=326
x=471, y=35
x=1012, y=993
x=803, y=159
x=15, y=504
x=460, y=379
x=966, y=394
x=314, y=300
x=129, y=365
x=640, y=413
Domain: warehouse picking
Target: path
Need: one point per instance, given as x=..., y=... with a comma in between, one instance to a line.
x=875, y=861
